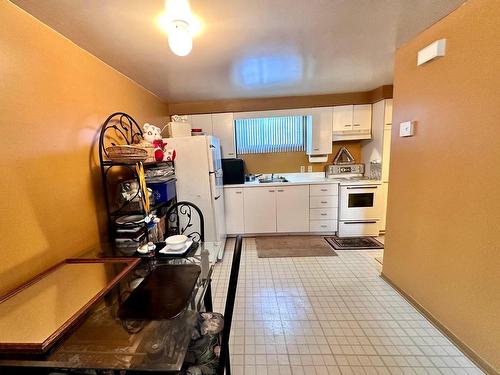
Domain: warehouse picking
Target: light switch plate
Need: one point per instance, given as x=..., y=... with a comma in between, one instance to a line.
x=309, y=168
x=406, y=129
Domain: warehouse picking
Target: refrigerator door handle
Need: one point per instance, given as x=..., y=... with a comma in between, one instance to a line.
x=217, y=197
x=212, y=146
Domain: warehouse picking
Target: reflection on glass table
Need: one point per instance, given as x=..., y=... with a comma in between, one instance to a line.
x=104, y=341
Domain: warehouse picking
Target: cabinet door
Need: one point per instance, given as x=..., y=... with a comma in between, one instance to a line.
x=260, y=209
x=203, y=122
x=388, y=113
x=362, y=117
x=319, y=134
x=342, y=118
x=292, y=209
x=234, y=208
x=223, y=128
x=386, y=154
x=385, y=189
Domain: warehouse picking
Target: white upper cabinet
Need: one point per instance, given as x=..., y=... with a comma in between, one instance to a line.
x=318, y=132
x=388, y=113
x=292, y=208
x=352, y=122
x=362, y=118
x=203, y=122
x=223, y=128
x=342, y=118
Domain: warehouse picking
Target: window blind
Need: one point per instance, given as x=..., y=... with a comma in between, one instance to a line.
x=270, y=134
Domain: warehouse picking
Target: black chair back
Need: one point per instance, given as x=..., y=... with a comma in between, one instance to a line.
x=180, y=220
x=224, y=362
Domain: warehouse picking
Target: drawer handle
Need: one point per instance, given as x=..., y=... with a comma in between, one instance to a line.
x=324, y=214
x=324, y=226
x=363, y=187
x=324, y=202
x=239, y=192
x=356, y=125
x=359, y=222
x=280, y=191
x=271, y=191
x=324, y=189
x=345, y=126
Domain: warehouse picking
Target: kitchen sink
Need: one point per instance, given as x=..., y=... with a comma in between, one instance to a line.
x=270, y=180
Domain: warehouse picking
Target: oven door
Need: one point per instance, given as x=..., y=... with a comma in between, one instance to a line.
x=360, y=202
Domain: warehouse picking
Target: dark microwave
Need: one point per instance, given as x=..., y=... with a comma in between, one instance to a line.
x=233, y=171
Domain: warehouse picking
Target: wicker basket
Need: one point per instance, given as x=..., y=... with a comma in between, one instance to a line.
x=126, y=154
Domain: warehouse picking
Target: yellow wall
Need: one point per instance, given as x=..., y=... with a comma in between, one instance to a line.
x=53, y=98
x=290, y=162
x=442, y=244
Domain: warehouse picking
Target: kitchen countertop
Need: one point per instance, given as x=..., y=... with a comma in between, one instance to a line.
x=314, y=178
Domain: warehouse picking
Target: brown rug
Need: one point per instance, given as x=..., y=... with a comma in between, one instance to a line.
x=293, y=246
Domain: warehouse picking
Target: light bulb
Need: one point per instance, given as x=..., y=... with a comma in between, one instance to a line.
x=179, y=38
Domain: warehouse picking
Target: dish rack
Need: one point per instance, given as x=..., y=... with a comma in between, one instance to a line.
x=118, y=157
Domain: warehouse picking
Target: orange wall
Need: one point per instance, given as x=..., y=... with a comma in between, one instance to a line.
x=54, y=97
x=290, y=162
x=442, y=244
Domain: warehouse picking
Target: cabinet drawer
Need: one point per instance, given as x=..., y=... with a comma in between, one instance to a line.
x=323, y=214
x=330, y=201
x=323, y=226
x=326, y=189
x=358, y=229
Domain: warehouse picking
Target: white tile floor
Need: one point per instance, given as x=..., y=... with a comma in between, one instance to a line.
x=327, y=315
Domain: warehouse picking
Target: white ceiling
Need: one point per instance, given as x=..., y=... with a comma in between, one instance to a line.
x=254, y=48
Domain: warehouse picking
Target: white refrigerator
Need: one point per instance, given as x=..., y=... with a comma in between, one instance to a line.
x=198, y=170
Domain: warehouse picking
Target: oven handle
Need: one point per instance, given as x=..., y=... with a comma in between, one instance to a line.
x=359, y=222
x=363, y=187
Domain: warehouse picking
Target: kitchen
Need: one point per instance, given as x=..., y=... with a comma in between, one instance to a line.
x=342, y=133
x=277, y=207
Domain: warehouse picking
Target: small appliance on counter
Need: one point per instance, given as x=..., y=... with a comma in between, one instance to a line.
x=233, y=171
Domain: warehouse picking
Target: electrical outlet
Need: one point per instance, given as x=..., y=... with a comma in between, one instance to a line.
x=302, y=169
x=309, y=168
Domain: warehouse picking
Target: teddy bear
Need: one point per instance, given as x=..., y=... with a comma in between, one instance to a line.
x=153, y=139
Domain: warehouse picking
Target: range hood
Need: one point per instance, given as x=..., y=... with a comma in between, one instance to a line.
x=351, y=135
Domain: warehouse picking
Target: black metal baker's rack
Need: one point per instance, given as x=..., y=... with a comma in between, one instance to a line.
x=121, y=129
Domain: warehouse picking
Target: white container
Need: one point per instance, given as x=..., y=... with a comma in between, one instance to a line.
x=178, y=129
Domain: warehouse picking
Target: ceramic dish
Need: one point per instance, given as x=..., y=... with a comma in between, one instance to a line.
x=176, y=242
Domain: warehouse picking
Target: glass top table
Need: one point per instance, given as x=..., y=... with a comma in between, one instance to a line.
x=104, y=341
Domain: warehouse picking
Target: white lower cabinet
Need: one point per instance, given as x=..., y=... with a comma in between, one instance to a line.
x=234, y=208
x=281, y=209
x=260, y=209
x=323, y=204
x=292, y=209
x=323, y=226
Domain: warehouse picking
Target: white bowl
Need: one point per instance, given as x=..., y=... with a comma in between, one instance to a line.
x=176, y=242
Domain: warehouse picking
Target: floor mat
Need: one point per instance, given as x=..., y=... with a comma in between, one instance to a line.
x=292, y=246
x=354, y=243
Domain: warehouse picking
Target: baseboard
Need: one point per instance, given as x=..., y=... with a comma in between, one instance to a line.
x=283, y=234
x=471, y=354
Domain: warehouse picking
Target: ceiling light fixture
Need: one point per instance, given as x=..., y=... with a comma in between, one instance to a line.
x=179, y=16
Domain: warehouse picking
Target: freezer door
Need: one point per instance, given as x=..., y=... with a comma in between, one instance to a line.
x=216, y=187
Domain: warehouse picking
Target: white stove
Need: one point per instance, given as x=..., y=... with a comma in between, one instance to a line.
x=360, y=201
